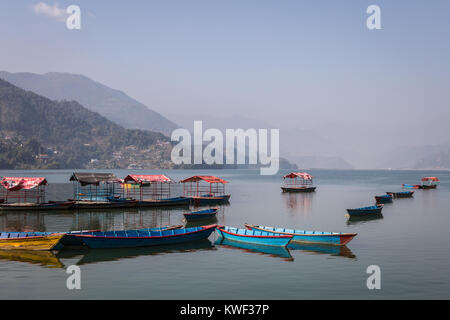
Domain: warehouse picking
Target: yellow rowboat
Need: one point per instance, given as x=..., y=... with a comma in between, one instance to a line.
x=42, y=258
x=30, y=242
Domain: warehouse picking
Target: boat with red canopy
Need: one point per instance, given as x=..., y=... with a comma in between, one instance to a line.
x=205, y=190
x=151, y=190
x=429, y=183
x=27, y=193
x=298, y=182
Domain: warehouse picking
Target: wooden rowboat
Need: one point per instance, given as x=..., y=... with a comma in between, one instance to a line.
x=252, y=236
x=402, y=194
x=133, y=238
x=334, y=238
x=371, y=210
x=201, y=215
x=387, y=198
x=28, y=241
x=169, y=202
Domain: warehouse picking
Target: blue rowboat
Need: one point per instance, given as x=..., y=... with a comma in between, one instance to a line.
x=402, y=194
x=51, y=205
x=386, y=198
x=251, y=236
x=200, y=215
x=371, y=210
x=335, y=238
x=136, y=238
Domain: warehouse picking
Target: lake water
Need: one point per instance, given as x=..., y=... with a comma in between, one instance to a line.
x=410, y=244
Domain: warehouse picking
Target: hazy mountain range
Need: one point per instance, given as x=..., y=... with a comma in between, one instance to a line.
x=110, y=103
x=338, y=146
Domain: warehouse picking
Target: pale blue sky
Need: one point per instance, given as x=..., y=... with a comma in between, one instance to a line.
x=289, y=63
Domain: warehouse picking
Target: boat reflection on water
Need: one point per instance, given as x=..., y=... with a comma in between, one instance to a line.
x=274, y=251
x=299, y=203
x=43, y=258
x=104, y=255
x=338, y=251
x=354, y=220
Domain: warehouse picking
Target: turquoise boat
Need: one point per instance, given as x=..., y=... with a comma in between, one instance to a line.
x=251, y=236
x=334, y=238
x=273, y=251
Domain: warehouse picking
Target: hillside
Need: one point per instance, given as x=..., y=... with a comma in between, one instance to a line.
x=113, y=104
x=67, y=135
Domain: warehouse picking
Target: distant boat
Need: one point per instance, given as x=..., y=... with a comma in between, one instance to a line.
x=251, y=236
x=28, y=241
x=429, y=183
x=298, y=182
x=371, y=210
x=334, y=238
x=136, y=238
x=402, y=194
x=201, y=215
x=387, y=198
x=52, y=205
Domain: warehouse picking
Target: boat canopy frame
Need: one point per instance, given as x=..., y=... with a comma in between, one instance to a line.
x=95, y=186
x=203, y=186
x=147, y=187
x=23, y=189
x=298, y=179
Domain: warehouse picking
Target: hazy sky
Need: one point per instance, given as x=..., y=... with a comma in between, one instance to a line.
x=307, y=64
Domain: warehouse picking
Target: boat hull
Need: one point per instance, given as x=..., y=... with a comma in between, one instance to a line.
x=255, y=237
x=200, y=201
x=56, y=205
x=170, y=202
x=300, y=189
x=406, y=194
x=104, y=242
x=365, y=211
x=200, y=215
x=303, y=236
x=383, y=199
x=47, y=242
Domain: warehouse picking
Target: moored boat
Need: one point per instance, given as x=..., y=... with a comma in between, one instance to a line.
x=429, y=183
x=169, y=202
x=401, y=194
x=136, y=238
x=386, y=198
x=28, y=241
x=334, y=238
x=298, y=182
x=254, y=236
x=365, y=210
x=205, y=190
x=200, y=215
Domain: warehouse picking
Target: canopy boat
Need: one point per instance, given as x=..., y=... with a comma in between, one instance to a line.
x=28, y=241
x=152, y=190
x=298, y=182
x=334, y=238
x=129, y=239
x=386, y=198
x=253, y=236
x=98, y=191
x=365, y=210
x=429, y=183
x=205, y=190
x=402, y=194
x=27, y=193
x=201, y=215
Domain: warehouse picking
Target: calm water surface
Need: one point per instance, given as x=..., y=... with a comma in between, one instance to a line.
x=410, y=244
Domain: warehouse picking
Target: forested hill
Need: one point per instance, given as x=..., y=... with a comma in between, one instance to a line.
x=39, y=132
